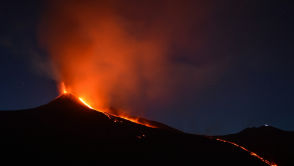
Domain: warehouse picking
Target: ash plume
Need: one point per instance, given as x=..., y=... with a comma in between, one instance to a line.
x=128, y=54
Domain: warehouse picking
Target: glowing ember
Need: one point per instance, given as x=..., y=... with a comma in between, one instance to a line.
x=250, y=152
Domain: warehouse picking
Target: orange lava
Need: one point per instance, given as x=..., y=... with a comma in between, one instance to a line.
x=250, y=152
x=136, y=120
x=64, y=90
x=84, y=102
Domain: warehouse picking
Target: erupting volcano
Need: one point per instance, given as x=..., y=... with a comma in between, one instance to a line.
x=69, y=129
x=65, y=93
x=117, y=63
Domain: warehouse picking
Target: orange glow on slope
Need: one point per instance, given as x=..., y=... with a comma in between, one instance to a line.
x=84, y=102
x=137, y=120
x=64, y=90
x=250, y=152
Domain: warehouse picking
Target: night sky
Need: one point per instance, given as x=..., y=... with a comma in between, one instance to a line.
x=254, y=39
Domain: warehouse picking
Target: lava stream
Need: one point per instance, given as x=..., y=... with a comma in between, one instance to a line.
x=65, y=91
x=84, y=102
x=250, y=152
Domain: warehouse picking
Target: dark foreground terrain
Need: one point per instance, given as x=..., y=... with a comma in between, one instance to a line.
x=66, y=130
x=270, y=142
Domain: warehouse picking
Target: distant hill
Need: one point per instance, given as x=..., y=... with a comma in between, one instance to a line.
x=270, y=142
x=67, y=130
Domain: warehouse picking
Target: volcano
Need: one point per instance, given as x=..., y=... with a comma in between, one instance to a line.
x=68, y=130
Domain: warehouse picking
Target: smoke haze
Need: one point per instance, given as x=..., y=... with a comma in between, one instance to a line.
x=128, y=54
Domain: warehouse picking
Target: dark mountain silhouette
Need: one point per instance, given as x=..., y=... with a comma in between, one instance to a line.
x=270, y=142
x=67, y=130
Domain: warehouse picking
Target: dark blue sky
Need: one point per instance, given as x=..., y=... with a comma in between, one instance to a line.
x=256, y=37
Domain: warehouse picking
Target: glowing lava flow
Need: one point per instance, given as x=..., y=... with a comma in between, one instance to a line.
x=64, y=91
x=135, y=120
x=83, y=101
x=250, y=152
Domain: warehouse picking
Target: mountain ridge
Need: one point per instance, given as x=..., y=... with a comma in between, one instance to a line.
x=66, y=130
x=271, y=142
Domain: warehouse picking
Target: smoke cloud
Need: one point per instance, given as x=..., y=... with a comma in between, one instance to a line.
x=128, y=54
